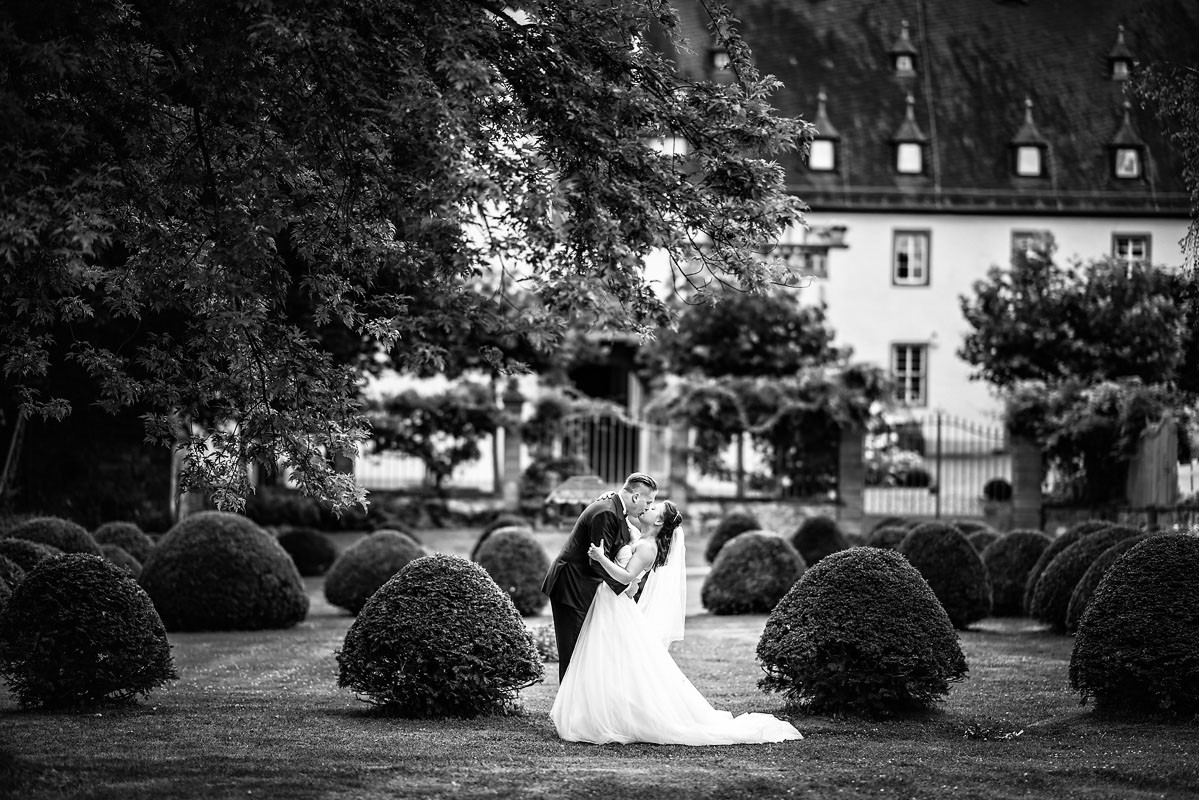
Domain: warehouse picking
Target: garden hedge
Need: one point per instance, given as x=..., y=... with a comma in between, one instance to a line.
x=67, y=536
x=11, y=572
x=817, y=537
x=887, y=538
x=1008, y=561
x=439, y=639
x=126, y=535
x=732, y=524
x=981, y=539
x=751, y=574
x=218, y=572
x=1057, y=545
x=1137, y=647
x=25, y=553
x=121, y=557
x=517, y=563
x=1051, y=596
x=312, y=551
x=366, y=565
x=969, y=526
x=503, y=521
x=79, y=632
x=1084, y=590
x=953, y=570
x=861, y=633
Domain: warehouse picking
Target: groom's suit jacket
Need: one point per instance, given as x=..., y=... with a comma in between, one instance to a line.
x=573, y=577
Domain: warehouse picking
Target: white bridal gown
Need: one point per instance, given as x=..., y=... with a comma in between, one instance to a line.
x=623, y=686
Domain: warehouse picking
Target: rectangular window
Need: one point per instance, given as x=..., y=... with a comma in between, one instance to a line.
x=822, y=155
x=1128, y=162
x=909, y=371
x=1024, y=240
x=1028, y=161
x=909, y=158
x=1132, y=248
x=910, y=265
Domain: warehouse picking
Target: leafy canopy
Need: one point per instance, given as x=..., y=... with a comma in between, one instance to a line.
x=222, y=210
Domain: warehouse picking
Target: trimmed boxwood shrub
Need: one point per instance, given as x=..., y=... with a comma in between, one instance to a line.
x=997, y=490
x=1008, y=560
x=969, y=526
x=1057, y=545
x=11, y=572
x=861, y=633
x=517, y=563
x=817, y=537
x=887, y=538
x=751, y=574
x=890, y=522
x=67, y=536
x=312, y=551
x=126, y=535
x=732, y=524
x=503, y=521
x=366, y=565
x=1090, y=579
x=982, y=539
x=955, y=573
x=79, y=632
x=25, y=553
x=1051, y=597
x=1137, y=647
x=121, y=557
x=215, y=571
x=439, y=640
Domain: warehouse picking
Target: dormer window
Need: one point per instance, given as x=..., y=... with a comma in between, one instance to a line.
x=909, y=143
x=1127, y=151
x=822, y=155
x=1029, y=148
x=1119, y=60
x=903, y=54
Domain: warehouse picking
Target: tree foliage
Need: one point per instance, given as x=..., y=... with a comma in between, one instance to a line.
x=219, y=211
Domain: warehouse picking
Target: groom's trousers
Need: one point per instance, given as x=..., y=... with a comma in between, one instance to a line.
x=568, y=621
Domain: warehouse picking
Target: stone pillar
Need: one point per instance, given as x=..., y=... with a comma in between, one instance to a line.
x=680, y=464
x=1027, y=476
x=510, y=487
x=851, y=479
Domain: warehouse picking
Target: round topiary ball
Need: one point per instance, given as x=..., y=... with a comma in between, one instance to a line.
x=5, y=594
x=126, y=535
x=981, y=539
x=11, y=572
x=312, y=551
x=511, y=520
x=79, y=631
x=67, y=536
x=121, y=557
x=751, y=574
x=890, y=522
x=1051, y=596
x=25, y=553
x=969, y=526
x=517, y=563
x=1137, y=646
x=732, y=524
x=366, y=565
x=817, y=537
x=1008, y=560
x=955, y=573
x=215, y=571
x=439, y=639
x=1089, y=582
x=861, y=633
x=1057, y=545
x=887, y=538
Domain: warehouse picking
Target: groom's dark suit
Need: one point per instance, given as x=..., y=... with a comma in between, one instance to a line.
x=573, y=578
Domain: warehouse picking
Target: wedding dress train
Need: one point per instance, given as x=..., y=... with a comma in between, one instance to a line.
x=623, y=686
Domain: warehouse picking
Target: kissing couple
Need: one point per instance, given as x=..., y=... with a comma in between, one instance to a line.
x=618, y=681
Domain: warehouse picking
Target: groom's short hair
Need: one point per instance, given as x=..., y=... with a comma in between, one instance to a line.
x=641, y=478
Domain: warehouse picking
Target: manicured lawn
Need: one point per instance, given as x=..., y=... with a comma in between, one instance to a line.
x=260, y=715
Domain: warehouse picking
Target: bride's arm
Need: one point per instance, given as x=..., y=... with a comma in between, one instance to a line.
x=643, y=556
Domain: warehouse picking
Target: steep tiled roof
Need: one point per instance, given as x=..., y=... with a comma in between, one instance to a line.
x=977, y=62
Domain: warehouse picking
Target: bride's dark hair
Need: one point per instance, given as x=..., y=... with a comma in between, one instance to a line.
x=671, y=520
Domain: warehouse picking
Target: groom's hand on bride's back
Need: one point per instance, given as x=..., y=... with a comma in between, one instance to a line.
x=608, y=495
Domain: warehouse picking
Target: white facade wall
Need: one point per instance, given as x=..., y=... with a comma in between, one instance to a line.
x=870, y=313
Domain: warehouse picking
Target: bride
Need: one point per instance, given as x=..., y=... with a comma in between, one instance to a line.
x=622, y=684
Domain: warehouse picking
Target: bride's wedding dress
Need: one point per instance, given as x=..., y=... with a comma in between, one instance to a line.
x=623, y=686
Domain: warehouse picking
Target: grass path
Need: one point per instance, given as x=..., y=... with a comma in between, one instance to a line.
x=260, y=715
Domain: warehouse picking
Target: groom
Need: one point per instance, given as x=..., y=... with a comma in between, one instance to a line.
x=573, y=578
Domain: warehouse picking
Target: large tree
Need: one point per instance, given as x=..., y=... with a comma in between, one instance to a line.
x=217, y=212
